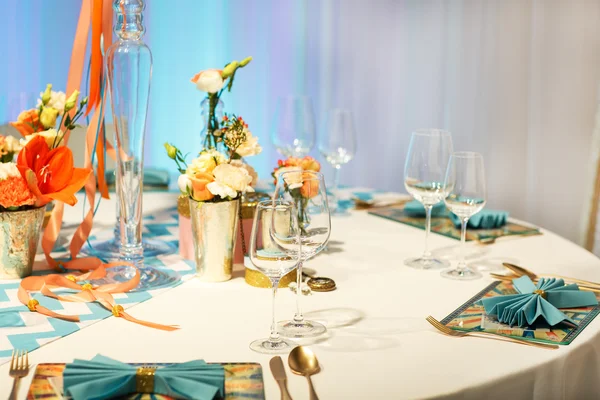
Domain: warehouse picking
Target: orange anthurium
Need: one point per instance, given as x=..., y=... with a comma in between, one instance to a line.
x=50, y=173
x=28, y=122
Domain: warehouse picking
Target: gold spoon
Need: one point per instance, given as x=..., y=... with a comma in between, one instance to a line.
x=303, y=361
x=517, y=270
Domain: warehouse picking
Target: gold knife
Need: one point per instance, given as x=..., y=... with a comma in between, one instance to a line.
x=278, y=371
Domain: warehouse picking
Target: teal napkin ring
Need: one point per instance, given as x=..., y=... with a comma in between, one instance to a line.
x=484, y=219
x=538, y=303
x=416, y=209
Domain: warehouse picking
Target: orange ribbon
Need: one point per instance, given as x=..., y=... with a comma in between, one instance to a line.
x=100, y=14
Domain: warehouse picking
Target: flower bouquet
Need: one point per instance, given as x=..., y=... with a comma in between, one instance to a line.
x=214, y=182
x=43, y=173
x=300, y=187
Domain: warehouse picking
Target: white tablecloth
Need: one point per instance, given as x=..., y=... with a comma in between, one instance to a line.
x=391, y=352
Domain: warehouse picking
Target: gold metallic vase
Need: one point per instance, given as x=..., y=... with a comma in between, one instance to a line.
x=19, y=237
x=214, y=229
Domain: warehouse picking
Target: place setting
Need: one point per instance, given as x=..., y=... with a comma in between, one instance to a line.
x=251, y=203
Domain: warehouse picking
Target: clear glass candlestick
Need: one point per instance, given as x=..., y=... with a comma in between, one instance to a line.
x=129, y=71
x=111, y=248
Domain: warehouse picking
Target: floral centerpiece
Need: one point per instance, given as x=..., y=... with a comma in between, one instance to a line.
x=301, y=189
x=43, y=172
x=215, y=180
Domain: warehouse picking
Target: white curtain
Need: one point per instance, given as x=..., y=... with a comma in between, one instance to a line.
x=514, y=80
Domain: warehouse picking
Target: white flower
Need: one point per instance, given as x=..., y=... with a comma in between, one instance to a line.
x=293, y=178
x=206, y=162
x=57, y=100
x=209, y=81
x=51, y=136
x=10, y=144
x=229, y=180
x=222, y=190
x=184, y=183
x=250, y=147
x=247, y=167
x=8, y=170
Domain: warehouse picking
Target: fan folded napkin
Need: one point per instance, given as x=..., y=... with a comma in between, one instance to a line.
x=484, y=219
x=538, y=302
x=103, y=378
x=416, y=209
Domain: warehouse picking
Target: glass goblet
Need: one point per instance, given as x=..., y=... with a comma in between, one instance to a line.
x=307, y=191
x=424, y=172
x=274, y=223
x=465, y=185
x=338, y=145
x=293, y=131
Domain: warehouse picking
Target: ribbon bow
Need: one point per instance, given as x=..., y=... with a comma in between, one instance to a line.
x=103, y=377
x=541, y=301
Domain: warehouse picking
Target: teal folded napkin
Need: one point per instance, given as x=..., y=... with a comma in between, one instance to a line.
x=152, y=177
x=484, y=219
x=416, y=209
x=539, y=302
x=104, y=378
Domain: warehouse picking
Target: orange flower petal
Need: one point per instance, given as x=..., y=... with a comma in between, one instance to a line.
x=59, y=167
x=78, y=179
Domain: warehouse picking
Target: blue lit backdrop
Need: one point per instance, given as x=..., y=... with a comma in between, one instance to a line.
x=185, y=36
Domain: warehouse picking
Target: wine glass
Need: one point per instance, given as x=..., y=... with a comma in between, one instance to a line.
x=275, y=222
x=293, y=132
x=338, y=145
x=306, y=189
x=424, y=172
x=465, y=185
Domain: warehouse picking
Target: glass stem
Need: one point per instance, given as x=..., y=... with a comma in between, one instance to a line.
x=298, y=317
x=462, y=265
x=427, y=253
x=336, y=178
x=274, y=336
x=117, y=230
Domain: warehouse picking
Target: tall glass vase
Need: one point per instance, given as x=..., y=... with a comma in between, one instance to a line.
x=111, y=248
x=211, y=124
x=129, y=71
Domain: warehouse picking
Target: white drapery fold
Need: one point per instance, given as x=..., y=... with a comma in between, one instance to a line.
x=514, y=80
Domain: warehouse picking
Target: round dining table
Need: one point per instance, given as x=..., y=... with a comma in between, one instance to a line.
x=378, y=344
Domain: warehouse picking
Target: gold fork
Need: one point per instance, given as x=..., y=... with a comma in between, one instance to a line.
x=451, y=332
x=19, y=368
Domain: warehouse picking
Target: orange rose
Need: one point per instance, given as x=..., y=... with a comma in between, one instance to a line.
x=292, y=162
x=310, y=164
x=49, y=173
x=28, y=122
x=199, y=190
x=310, y=187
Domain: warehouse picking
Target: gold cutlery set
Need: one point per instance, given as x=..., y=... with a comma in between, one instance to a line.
x=517, y=272
x=302, y=361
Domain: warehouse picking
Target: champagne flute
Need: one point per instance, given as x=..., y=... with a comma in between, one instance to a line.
x=465, y=185
x=274, y=222
x=306, y=189
x=338, y=145
x=424, y=172
x=293, y=132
